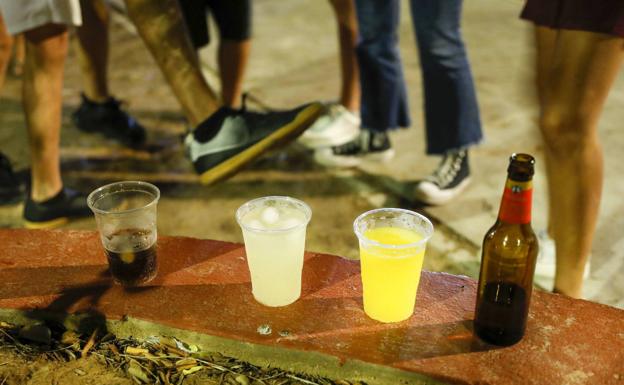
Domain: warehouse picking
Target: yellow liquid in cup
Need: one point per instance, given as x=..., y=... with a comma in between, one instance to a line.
x=390, y=277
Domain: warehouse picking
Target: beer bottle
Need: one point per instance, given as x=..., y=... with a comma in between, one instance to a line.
x=508, y=261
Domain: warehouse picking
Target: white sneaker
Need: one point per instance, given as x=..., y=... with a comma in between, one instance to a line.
x=338, y=126
x=547, y=264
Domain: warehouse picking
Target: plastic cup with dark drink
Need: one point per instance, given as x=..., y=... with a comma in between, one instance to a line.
x=125, y=213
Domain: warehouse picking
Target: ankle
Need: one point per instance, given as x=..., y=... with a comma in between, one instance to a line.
x=96, y=98
x=42, y=193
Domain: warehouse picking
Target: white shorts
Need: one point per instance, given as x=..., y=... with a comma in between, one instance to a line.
x=24, y=15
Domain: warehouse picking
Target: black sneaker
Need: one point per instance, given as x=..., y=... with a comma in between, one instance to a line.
x=229, y=139
x=11, y=190
x=110, y=120
x=368, y=145
x=56, y=211
x=450, y=178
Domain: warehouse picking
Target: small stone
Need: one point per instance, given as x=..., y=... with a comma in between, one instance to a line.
x=242, y=379
x=79, y=372
x=284, y=333
x=264, y=330
x=36, y=333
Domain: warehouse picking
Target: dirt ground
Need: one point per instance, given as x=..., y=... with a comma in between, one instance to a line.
x=48, y=353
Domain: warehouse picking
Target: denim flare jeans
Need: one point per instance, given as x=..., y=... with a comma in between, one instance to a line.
x=451, y=110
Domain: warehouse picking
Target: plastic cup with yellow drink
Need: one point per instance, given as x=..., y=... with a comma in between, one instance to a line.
x=392, y=248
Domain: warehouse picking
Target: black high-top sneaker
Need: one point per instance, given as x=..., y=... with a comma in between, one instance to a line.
x=450, y=178
x=369, y=145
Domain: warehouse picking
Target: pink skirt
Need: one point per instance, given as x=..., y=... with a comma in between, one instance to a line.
x=602, y=16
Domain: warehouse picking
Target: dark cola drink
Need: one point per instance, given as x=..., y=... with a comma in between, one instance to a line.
x=503, y=310
x=132, y=256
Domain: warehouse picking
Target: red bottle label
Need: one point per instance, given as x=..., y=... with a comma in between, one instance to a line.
x=516, y=203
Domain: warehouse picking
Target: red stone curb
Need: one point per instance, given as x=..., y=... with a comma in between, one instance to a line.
x=203, y=286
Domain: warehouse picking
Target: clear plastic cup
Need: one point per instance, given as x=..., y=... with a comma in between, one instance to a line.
x=392, y=249
x=125, y=213
x=274, y=230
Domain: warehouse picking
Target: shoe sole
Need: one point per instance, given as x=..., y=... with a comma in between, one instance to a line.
x=354, y=161
x=445, y=196
x=51, y=224
x=303, y=120
x=337, y=140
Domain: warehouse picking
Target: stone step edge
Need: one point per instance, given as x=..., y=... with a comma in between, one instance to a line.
x=299, y=361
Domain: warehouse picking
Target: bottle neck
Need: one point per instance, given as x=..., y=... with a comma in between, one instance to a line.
x=515, y=206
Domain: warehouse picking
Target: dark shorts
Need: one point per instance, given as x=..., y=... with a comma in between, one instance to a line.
x=233, y=18
x=602, y=16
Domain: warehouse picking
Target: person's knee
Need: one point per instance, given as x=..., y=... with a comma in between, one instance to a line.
x=444, y=51
x=383, y=46
x=564, y=132
x=48, y=45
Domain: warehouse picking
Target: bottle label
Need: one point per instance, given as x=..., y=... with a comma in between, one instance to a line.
x=516, y=204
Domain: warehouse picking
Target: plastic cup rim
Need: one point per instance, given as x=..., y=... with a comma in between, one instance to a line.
x=307, y=212
x=369, y=242
x=96, y=210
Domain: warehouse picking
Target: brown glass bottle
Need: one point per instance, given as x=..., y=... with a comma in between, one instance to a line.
x=508, y=261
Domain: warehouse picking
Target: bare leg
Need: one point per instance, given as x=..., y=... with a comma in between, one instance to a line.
x=162, y=28
x=19, y=54
x=583, y=67
x=347, y=37
x=46, y=48
x=546, y=40
x=6, y=43
x=233, y=57
x=92, y=48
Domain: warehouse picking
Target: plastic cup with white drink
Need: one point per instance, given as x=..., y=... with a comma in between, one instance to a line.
x=274, y=230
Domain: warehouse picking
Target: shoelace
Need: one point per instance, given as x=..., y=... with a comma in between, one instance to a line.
x=448, y=169
x=359, y=144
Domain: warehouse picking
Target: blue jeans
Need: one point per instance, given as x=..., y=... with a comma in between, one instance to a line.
x=451, y=110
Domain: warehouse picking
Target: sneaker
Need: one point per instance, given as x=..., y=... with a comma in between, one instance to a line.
x=10, y=187
x=546, y=262
x=368, y=145
x=338, y=126
x=56, y=211
x=450, y=178
x=229, y=139
x=110, y=120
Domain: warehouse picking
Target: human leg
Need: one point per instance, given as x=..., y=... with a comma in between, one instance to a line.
x=6, y=45
x=46, y=48
x=347, y=38
x=92, y=48
x=234, y=20
x=573, y=87
x=451, y=112
x=233, y=57
x=341, y=123
x=383, y=94
x=162, y=28
x=19, y=55
x=99, y=111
